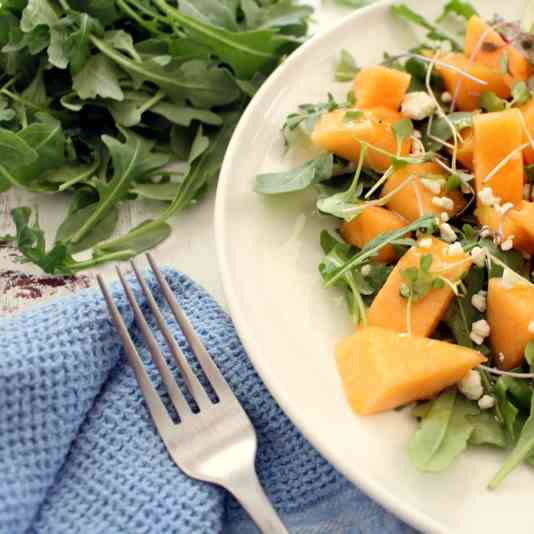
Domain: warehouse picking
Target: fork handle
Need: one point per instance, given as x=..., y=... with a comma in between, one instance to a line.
x=246, y=488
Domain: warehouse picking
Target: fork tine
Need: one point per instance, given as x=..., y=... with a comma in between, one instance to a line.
x=180, y=404
x=195, y=387
x=157, y=409
x=211, y=371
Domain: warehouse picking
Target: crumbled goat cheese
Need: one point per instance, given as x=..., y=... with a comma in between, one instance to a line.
x=443, y=202
x=508, y=244
x=418, y=105
x=446, y=97
x=455, y=249
x=475, y=338
x=471, y=385
x=447, y=233
x=481, y=328
x=444, y=216
x=479, y=256
x=478, y=300
x=487, y=198
x=366, y=270
x=486, y=402
x=433, y=185
x=418, y=148
x=485, y=232
x=417, y=134
x=531, y=327
x=425, y=243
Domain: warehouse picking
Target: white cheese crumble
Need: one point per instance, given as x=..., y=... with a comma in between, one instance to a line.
x=508, y=244
x=425, y=243
x=444, y=216
x=433, y=185
x=486, y=402
x=443, y=202
x=455, y=249
x=475, y=338
x=447, y=233
x=471, y=385
x=478, y=300
x=531, y=327
x=485, y=232
x=487, y=198
x=479, y=256
x=481, y=328
x=417, y=134
x=418, y=105
x=446, y=97
x=366, y=270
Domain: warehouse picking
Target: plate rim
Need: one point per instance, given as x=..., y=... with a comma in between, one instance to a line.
x=407, y=512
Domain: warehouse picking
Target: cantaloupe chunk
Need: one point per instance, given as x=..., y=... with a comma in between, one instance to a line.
x=528, y=114
x=523, y=218
x=469, y=90
x=380, y=86
x=372, y=222
x=466, y=149
x=333, y=132
x=497, y=135
x=510, y=310
x=381, y=369
x=482, y=43
x=415, y=199
x=389, y=309
x=508, y=226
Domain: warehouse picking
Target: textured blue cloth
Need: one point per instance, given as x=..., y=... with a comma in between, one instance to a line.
x=79, y=453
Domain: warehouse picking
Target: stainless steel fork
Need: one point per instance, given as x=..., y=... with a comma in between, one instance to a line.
x=217, y=444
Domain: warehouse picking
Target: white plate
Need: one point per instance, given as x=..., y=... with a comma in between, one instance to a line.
x=268, y=251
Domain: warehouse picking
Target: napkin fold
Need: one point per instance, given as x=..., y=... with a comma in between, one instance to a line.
x=79, y=452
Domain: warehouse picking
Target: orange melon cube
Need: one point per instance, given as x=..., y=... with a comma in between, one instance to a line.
x=390, y=310
x=510, y=311
x=415, y=199
x=466, y=149
x=372, y=222
x=484, y=44
x=512, y=224
x=380, y=86
x=381, y=369
x=334, y=133
x=497, y=135
x=528, y=115
x=469, y=90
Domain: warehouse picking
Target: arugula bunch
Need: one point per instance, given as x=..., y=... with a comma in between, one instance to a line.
x=98, y=97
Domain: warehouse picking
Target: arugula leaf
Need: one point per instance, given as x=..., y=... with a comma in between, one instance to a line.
x=490, y=102
x=131, y=160
x=247, y=52
x=487, y=430
x=346, y=68
x=508, y=413
x=440, y=130
x=215, y=12
x=461, y=314
x=520, y=93
x=443, y=433
x=458, y=7
x=434, y=33
x=6, y=113
x=512, y=258
x=312, y=172
x=162, y=191
x=16, y=152
x=31, y=242
x=523, y=448
x=197, y=80
x=98, y=77
x=284, y=15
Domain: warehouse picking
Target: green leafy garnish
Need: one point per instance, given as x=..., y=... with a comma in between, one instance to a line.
x=522, y=450
x=419, y=281
x=458, y=7
x=312, y=172
x=490, y=102
x=520, y=93
x=346, y=68
x=441, y=131
x=443, y=433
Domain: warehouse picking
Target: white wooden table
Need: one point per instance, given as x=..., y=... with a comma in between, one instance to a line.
x=190, y=249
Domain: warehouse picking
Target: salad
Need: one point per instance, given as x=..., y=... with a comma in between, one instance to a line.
x=427, y=166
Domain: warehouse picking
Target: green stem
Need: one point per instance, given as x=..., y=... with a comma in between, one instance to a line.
x=118, y=256
x=127, y=10
x=152, y=102
x=20, y=100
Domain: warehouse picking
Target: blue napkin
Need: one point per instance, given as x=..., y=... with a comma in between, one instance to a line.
x=79, y=452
